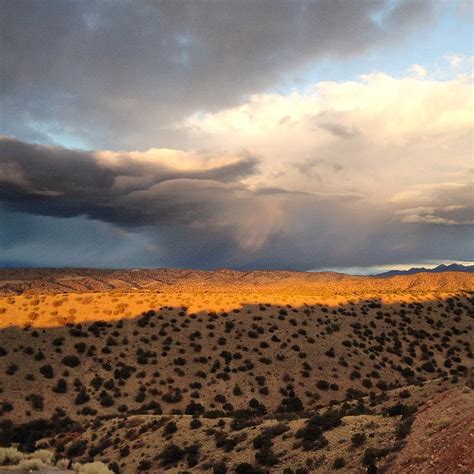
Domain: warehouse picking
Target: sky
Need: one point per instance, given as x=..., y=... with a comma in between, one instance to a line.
x=249, y=134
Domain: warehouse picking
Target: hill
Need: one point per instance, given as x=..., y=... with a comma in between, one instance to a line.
x=175, y=370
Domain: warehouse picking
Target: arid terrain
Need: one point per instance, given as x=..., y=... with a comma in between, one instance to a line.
x=225, y=371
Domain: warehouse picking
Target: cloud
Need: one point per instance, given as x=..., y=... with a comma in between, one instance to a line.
x=200, y=194
x=372, y=171
x=443, y=203
x=418, y=71
x=125, y=188
x=122, y=72
x=377, y=136
x=204, y=203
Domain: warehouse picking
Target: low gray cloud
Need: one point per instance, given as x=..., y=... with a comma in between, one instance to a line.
x=124, y=188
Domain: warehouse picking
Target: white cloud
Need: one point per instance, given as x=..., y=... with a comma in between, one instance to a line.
x=418, y=71
x=378, y=136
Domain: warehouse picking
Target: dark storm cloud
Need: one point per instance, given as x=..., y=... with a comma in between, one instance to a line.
x=119, y=73
x=125, y=188
x=181, y=217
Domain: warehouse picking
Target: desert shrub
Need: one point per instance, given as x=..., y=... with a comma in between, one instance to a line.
x=71, y=361
x=353, y=393
x=322, y=384
x=246, y=468
x=358, y=439
x=58, y=341
x=97, y=382
x=170, y=428
x=403, y=428
x=36, y=401
x=32, y=464
x=124, y=451
x=264, y=439
x=88, y=411
x=43, y=455
x=105, y=399
x=5, y=407
x=10, y=456
x=326, y=421
x=172, y=396
x=171, y=454
x=219, y=468
x=372, y=454
x=330, y=353
x=310, y=432
x=109, y=385
x=92, y=468
x=339, y=463
x=140, y=397
x=355, y=374
x=267, y=457
x=224, y=441
x=290, y=405
x=78, y=448
x=400, y=409
x=194, y=408
x=80, y=347
x=82, y=397
x=195, y=424
x=192, y=454
x=144, y=465
x=114, y=467
x=11, y=369
x=47, y=371
x=60, y=387
x=179, y=361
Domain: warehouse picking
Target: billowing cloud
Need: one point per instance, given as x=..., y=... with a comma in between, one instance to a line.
x=378, y=136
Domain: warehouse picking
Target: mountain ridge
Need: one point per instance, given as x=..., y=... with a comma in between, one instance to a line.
x=453, y=267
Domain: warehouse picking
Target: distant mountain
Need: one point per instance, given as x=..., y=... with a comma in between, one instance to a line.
x=454, y=267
